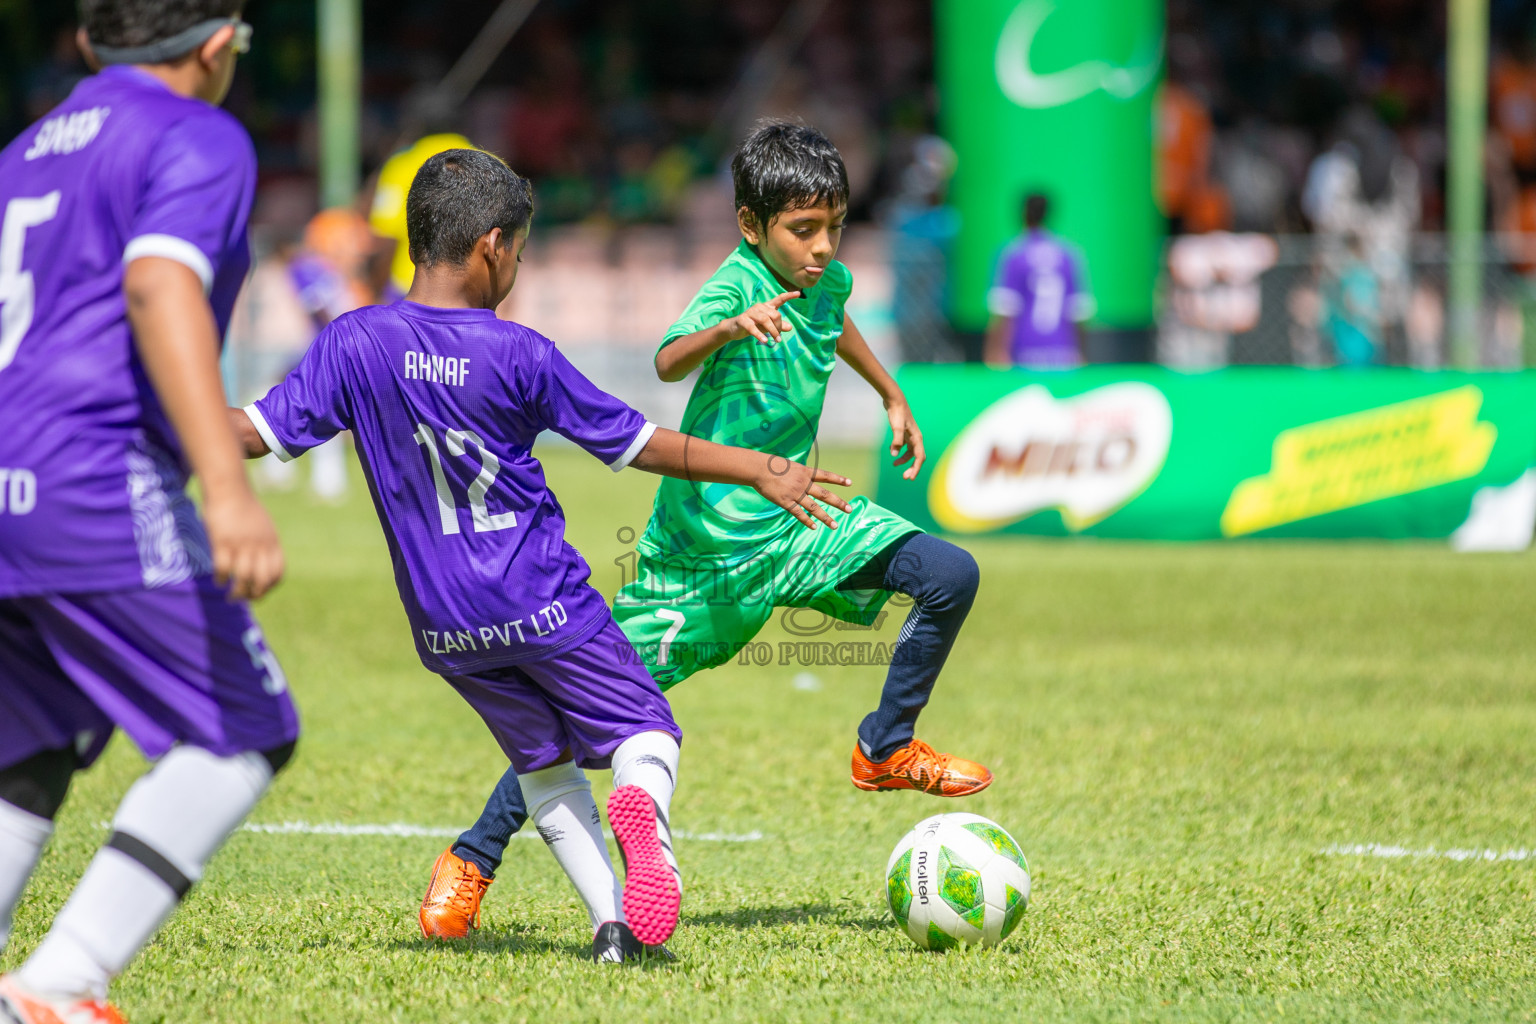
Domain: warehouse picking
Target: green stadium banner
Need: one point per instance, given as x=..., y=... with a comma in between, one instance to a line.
x=1143, y=452
x=1059, y=97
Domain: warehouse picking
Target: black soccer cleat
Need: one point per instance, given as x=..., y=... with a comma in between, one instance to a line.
x=614, y=943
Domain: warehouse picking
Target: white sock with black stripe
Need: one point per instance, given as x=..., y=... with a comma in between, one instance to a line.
x=561, y=807
x=166, y=829
x=22, y=838
x=649, y=760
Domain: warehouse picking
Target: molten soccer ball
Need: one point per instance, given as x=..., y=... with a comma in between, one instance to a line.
x=957, y=878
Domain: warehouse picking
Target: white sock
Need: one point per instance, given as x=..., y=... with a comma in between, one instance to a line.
x=560, y=806
x=167, y=827
x=649, y=760
x=22, y=838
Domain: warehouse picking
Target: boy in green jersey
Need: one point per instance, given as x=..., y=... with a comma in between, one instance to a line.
x=716, y=560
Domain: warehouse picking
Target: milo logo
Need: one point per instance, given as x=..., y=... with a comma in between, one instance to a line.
x=1086, y=456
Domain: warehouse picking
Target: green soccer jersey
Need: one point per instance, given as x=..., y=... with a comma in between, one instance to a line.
x=766, y=397
x=716, y=559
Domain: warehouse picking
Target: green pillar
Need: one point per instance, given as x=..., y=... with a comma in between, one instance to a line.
x=1059, y=97
x=1467, y=111
x=341, y=90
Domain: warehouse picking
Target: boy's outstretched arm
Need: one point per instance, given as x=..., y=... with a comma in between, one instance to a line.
x=904, y=433
x=762, y=321
x=251, y=443
x=789, y=485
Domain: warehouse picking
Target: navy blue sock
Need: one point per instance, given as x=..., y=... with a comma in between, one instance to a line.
x=485, y=843
x=941, y=579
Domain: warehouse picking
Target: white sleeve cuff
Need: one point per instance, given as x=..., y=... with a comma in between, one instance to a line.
x=172, y=248
x=1004, y=302
x=642, y=439
x=265, y=430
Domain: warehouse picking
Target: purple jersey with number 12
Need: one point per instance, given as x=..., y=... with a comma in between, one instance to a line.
x=445, y=405
x=91, y=475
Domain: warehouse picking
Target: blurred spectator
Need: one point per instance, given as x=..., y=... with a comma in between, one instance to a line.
x=1039, y=300
x=1511, y=171
x=1512, y=104
x=1214, y=294
x=1185, y=192
x=388, y=214
x=1362, y=196
x=293, y=293
x=922, y=226
x=1251, y=178
x=331, y=273
x=1353, y=309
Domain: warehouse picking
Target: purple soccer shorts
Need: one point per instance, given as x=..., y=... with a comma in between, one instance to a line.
x=586, y=700
x=177, y=664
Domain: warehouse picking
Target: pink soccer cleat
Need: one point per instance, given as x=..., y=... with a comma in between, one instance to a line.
x=652, y=895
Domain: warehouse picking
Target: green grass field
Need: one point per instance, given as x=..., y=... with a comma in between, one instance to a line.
x=1178, y=733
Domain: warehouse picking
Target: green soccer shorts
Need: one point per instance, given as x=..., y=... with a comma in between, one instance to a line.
x=689, y=611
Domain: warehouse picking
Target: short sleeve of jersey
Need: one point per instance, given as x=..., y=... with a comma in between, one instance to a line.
x=838, y=281
x=1006, y=297
x=309, y=406
x=199, y=185
x=721, y=298
x=579, y=411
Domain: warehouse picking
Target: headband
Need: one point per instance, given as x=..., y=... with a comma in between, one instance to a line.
x=163, y=50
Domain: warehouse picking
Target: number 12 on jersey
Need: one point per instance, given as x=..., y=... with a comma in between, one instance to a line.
x=448, y=512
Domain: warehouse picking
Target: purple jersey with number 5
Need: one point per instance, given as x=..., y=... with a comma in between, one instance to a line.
x=91, y=475
x=1039, y=285
x=445, y=405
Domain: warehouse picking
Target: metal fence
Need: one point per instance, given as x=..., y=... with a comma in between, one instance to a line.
x=1311, y=300
x=1305, y=300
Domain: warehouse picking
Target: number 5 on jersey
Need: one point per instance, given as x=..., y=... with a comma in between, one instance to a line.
x=17, y=293
x=490, y=465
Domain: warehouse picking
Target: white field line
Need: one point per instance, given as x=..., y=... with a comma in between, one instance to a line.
x=1377, y=850
x=401, y=831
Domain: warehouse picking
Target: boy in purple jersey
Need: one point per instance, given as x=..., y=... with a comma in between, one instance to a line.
x=122, y=246
x=1039, y=300
x=445, y=401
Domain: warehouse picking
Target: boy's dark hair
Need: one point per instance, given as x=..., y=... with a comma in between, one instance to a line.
x=784, y=165
x=1034, y=208
x=130, y=23
x=459, y=195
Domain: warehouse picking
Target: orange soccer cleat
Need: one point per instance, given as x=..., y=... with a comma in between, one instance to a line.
x=20, y=1006
x=918, y=766
x=451, y=906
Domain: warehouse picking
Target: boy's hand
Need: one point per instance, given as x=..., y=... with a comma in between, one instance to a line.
x=795, y=488
x=904, y=434
x=247, y=555
x=762, y=321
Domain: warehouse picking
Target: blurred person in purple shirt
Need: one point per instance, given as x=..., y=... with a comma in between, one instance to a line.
x=1039, y=298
